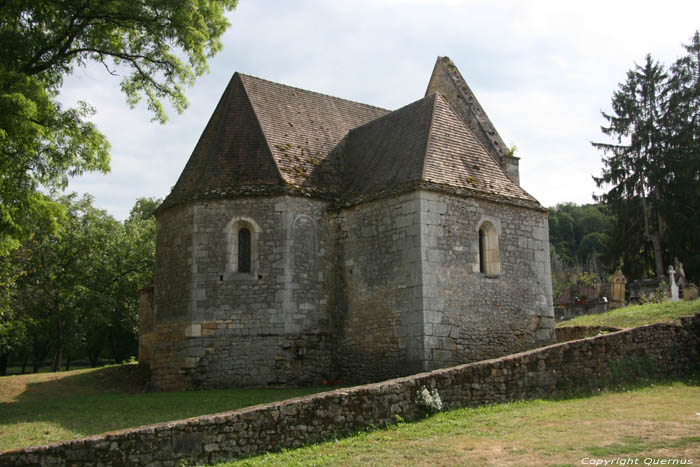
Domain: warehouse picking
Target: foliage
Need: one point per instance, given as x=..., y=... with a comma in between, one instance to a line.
x=578, y=237
x=428, y=401
x=637, y=315
x=652, y=168
x=76, y=289
x=157, y=46
x=579, y=232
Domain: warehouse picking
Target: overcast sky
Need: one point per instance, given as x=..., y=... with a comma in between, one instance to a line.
x=542, y=70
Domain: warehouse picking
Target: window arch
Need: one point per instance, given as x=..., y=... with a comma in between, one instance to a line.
x=242, y=237
x=488, y=249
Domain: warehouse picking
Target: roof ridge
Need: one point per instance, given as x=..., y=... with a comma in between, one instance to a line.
x=313, y=92
x=391, y=112
x=430, y=132
x=257, y=121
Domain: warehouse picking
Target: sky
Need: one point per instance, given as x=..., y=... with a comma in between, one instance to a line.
x=542, y=70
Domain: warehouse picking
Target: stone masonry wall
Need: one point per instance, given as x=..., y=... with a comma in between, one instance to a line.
x=267, y=326
x=547, y=372
x=164, y=338
x=472, y=316
x=380, y=323
x=570, y=333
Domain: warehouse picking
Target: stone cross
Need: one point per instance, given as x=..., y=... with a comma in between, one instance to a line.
x=674, y=286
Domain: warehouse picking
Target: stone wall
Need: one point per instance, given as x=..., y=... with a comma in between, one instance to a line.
x=269, y=326
x=472, y=316
x=570, y=333
x=380, y=310
x=670, y=349
x=373, y=291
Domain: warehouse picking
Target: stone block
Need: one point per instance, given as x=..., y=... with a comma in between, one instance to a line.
x=193, y=330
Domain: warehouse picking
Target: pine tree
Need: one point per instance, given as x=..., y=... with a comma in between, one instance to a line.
x=635, y=168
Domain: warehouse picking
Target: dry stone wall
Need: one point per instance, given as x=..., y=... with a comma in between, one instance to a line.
x=551, y=371
x=570, y=333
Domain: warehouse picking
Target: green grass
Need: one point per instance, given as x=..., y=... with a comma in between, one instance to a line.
x=42, y=408
x=637, y=315
x=657, y=421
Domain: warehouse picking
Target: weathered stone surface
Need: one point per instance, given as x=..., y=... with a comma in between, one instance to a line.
x=360, y=254
x=569, y=333
x=672, y=348
x=369, y=292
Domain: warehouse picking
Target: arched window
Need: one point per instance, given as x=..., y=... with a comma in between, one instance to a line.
x=244, y=250
x=488, y=249
x=482, y=250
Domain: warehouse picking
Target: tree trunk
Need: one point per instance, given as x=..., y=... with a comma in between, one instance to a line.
x=3, y=363
x=94, y=357
x=24, y=363
x=655, y=237
x=58, y=355
x=658, y=254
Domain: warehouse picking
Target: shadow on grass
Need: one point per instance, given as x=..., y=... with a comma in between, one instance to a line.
x=109, y=399
x=127, y=378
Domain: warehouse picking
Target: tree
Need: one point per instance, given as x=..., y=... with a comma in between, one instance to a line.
x=76, y=290
x=578, y=237
x=683, y=158
x=579, y=232
x=652, y=171
x=635, y=167
x=159, y=46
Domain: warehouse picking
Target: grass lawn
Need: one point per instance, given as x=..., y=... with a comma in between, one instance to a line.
x=659, y=421
x=46, y=407
x=637, y=315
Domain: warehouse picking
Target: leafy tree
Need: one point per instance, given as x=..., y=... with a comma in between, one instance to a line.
x=77, y=289
x=578, y=233
x=579, y=237
x=158, y=46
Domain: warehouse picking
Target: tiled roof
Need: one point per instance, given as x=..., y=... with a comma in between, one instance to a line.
x=268, y=138
x=387, y=152
x=423, y=144
x=455, y=157
x=232, y=155
x=303, y=128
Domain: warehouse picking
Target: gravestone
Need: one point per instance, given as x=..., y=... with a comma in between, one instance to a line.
x=617, y=290
x=674, y=286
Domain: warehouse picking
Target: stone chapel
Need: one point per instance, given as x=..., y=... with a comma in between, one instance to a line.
x=310, y=237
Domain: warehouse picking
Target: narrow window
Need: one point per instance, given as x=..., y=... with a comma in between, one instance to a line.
x=488, y=250
x=244, y=250
x=482, y=251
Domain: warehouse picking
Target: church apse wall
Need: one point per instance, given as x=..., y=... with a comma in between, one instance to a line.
x=267, y=324
x=472, y=313
x=380, y=332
